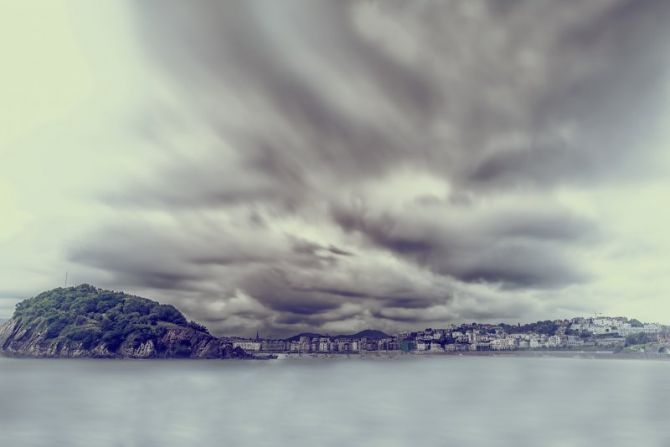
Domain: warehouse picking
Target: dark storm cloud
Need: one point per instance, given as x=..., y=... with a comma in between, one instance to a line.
x=537, y=94
x=175, y=255
x=235, y=48
x=139, y=256
x=285, y=277
x=603, y=84
x=276, y=289
x=523, y=248
x=291, y=289
x=301, y=106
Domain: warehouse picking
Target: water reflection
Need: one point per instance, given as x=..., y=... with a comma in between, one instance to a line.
x=471, y=400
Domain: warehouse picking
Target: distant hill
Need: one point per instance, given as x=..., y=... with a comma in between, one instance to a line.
x=368, y=333
x=304, y=334
x=85, y=321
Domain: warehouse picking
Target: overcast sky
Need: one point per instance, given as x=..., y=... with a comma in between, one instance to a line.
x=335, y=166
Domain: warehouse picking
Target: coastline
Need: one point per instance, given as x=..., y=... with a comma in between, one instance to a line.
x=384, y=355
x=390, y=355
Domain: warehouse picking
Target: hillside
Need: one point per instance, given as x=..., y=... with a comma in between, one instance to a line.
x=368, y=333
x=85, y=321
x=297, y=337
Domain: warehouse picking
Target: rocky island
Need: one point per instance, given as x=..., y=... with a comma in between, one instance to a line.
x=87, y=322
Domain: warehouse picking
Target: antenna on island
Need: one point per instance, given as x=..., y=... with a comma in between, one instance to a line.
x=66, y=278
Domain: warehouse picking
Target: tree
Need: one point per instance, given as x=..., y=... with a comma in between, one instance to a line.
x=638, y=339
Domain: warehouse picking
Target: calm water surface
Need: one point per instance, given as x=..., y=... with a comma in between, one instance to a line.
x=473, y=401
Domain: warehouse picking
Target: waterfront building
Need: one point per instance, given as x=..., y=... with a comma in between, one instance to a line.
x=273, y=346
x=483, y=346
x=407, y=345
x=247, y=345
x=324, y=344
x=436, y=347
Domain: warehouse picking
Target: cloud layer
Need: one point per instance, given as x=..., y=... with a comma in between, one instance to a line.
x=338, y=165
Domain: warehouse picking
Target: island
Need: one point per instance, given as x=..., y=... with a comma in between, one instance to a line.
x=88, y=322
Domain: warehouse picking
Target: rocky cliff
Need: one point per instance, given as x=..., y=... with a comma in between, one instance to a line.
x=86, y=322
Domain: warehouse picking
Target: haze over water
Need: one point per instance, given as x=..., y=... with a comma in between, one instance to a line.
x=475, y=401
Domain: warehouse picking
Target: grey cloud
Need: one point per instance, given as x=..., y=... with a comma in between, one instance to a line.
x=276, y=289
x=535, y=95
x=599, y=103
x=137, y=257
x=301, y=106
x=285, y=278
x=290, y=289
x=515, y=248
x=339, y=251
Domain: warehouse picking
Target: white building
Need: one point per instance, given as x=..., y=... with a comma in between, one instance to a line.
x=436, y=347
x=324, y=345
x=651, y=328
x=422, y=345
x=247, y=345
x=554, y=341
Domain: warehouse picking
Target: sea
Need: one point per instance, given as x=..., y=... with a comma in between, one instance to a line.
x=406, y=401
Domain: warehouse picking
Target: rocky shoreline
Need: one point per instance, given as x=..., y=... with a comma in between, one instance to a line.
x=17, y=340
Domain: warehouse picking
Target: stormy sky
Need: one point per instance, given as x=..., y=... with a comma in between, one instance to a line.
x=334, y=166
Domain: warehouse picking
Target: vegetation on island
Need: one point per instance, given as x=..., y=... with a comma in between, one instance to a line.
x=639, y=339
x=95, y=316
